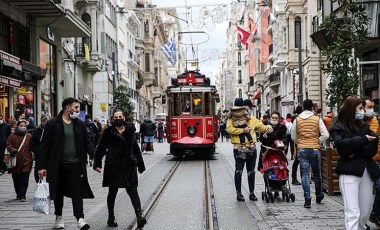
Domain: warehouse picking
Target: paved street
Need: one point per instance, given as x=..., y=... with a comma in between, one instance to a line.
x=181, y=204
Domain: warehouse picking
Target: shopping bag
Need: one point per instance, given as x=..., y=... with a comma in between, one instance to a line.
x=9, y=161
x=41, y=200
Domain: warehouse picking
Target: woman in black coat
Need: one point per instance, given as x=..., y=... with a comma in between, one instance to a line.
x=123, y=158
x=268, y=139
x=356, y=145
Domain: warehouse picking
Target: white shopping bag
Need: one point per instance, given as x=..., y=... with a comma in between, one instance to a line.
x=41, y=200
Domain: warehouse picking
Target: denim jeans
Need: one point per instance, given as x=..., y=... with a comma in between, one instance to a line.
x=307, y=158
x=376, y=204
x=239, y=167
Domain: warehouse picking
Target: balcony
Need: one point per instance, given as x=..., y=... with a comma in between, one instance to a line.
x=274, y=79
x=149, y=79
x=90, y=62
x=133, y=60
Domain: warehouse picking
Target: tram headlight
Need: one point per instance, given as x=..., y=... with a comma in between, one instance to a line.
x=192, y=130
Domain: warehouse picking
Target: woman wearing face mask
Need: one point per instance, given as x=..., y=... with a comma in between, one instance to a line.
x=18, y=144
x=123, y=160
x=268, y=139
x=356, y=145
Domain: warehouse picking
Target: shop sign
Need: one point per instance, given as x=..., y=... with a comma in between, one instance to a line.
x=103, y=107
x=9, y=81
x=10, y=60
x=370, y=78
x=50, y=34
x=287, y=103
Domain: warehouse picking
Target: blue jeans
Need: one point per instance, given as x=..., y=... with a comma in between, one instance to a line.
x=307, y=158
x=239, y=167
x=376, y=203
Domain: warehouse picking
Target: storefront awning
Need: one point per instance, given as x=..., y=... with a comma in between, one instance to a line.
x=62, y=21
x=257, y=95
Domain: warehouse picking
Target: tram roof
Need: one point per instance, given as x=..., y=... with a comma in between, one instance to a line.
x=191, y=89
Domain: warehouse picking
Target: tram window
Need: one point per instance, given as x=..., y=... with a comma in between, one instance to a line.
x=207, y=104
x=175, y=105
x=185, y=102
x=197, y=103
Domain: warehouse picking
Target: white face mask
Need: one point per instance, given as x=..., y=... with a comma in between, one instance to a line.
x=1, y=122
x=369, y=113
x=273, y=122
x=73, y=115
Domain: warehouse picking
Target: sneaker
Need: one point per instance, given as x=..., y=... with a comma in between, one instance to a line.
x=296, y=182
x=252, y=197
x=82, y=225
x=111, y=222
x=375, y=220
x=90, y=162
x=320, y=198
x=59, y=224
x=240, y=197
x=307, y=203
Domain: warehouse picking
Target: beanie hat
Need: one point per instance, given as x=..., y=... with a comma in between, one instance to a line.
x=238, y=102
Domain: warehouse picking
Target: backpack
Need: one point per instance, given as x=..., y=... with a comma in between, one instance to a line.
x=288, y=126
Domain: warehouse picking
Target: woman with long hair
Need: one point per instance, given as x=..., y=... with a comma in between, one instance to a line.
x=356, y=145
x=123, y=160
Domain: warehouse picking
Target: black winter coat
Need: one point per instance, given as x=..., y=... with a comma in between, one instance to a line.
x=123, y=156
x=5, y=131
x=35, y=143
x=147, y=128
x=51, y=151
x=279, y=133
x=355, y=151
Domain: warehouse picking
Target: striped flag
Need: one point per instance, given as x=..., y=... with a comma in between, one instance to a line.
x=170, y=51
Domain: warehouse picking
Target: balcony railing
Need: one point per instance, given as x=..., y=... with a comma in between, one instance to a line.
x=133, y=57
x=274, y=77
x=79, y=50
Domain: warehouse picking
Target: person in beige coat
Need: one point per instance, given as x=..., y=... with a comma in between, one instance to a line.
x=24, y=159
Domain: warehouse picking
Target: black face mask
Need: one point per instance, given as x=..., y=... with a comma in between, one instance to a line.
x=118, y=122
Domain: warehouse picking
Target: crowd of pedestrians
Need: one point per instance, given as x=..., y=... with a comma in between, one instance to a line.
x=63, y=146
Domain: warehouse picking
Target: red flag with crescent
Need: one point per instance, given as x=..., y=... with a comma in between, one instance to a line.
x=242, y=35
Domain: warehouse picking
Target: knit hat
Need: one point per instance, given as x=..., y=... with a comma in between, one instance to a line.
x=238, y=102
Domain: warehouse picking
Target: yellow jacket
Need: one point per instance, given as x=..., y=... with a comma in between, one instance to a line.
x=253, y=123
x=374, y=126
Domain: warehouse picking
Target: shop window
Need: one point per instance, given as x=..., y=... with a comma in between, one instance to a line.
x=23, y=102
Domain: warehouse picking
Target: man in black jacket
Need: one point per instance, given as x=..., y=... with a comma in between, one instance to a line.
x=147, y=129
x=5, y=131
x=35, y=144
x=63, y=157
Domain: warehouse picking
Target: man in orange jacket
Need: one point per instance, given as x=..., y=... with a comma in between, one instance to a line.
x=373, y=123
x=327, y=119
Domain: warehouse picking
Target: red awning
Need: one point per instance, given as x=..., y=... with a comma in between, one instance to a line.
x=257, y=95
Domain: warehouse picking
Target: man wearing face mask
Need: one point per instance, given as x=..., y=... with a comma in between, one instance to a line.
x=35, y=144
x=63, y=155
x=5, y=131
x=371, y=120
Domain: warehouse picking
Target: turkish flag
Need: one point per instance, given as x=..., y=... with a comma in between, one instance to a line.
x=243, y=35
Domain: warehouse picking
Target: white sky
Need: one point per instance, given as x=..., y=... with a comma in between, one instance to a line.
x=218, y=37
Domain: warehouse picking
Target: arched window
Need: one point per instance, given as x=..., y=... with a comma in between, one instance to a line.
x=297, y=31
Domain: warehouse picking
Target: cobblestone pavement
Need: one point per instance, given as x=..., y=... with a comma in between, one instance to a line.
x=279, y=215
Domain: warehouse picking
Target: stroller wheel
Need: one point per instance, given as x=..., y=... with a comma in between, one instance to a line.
x=271, y=197
x=276, y=195
x=287, y=198
x=292, y=197
x=263, y=195
x=266, y=198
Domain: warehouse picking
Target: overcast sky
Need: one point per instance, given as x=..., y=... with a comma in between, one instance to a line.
x=217, y=33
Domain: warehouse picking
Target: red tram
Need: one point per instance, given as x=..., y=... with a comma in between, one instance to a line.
x=191, y=123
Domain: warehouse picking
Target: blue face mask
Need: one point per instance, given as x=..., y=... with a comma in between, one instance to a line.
x=359, y=115
x=22, y=129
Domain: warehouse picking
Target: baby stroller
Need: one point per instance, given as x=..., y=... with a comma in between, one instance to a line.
x=276, y=174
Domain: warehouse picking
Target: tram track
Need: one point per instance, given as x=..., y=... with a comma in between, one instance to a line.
x=210, y=213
